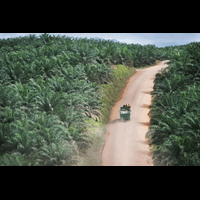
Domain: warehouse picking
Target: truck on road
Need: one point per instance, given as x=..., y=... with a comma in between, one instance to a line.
x=125, y=112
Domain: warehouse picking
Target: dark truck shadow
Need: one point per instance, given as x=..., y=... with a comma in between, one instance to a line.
x=117, y=120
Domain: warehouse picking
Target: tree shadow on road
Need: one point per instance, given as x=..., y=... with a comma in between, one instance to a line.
x=145, y=123
x=146, y=92
x=144, y=106
x=144, y=152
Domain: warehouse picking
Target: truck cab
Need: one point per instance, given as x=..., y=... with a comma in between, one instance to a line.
x=125, y=112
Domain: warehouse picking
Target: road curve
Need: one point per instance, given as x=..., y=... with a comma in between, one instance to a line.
x=125, y=141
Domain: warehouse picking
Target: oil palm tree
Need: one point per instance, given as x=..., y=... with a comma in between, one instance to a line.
x=79, y=139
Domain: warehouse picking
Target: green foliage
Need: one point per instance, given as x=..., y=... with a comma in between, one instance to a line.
x=50, y=85
x=174, y=132
x=112, y=91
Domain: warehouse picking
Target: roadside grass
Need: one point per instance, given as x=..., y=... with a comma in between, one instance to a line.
x=111, y=92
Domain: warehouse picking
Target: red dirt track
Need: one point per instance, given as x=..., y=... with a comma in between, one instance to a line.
x=125, y=140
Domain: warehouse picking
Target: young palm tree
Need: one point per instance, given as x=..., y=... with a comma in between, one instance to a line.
x=16, y=159
x=80, y=140
x=71, y=73
x=57, y=153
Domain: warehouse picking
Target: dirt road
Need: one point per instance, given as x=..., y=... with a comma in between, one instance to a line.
x=125, y=141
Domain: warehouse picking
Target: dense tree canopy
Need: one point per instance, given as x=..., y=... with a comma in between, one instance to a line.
x=50, y=84
x=174, y=132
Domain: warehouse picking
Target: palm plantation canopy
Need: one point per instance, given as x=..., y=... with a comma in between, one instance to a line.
x=49, y=86
x=175, y=120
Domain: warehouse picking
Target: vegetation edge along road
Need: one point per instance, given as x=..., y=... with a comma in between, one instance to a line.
x=174, y=134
